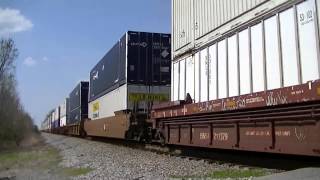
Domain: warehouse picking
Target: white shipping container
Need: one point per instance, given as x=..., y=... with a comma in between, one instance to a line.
x=175, y=81
x=63, y=108
x=196, y=23
x=190, y=76
x=124, y=97
x=56, y=113
x=182, y=79
x=204, y=72
x=106, y=105
x=213, y=72
x=63, y=121
x=278, y=50
x=197, y=78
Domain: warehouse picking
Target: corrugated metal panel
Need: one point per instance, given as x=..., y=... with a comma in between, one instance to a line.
x=208, y=15
x=109, y=72
x=198, y=22
x=138, y=58
x=182, y=22
x=277, y=51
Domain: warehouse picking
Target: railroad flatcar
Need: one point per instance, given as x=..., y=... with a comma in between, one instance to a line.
x=245, y=76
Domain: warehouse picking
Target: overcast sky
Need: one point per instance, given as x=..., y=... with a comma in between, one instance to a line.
x=59, y=41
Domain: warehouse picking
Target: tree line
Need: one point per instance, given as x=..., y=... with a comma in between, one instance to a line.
x=15, y=123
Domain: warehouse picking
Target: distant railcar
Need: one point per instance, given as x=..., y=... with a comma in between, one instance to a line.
x=78, y=108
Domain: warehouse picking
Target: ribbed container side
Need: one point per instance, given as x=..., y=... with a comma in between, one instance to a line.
x=210, y=14
x=139, y=58
x=109, y=72
x=199, y=22
x=277, y=50
x=149, y=57
x=182, y=23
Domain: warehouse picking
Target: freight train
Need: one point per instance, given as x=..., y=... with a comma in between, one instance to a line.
x=244, y=76
x=124, y=85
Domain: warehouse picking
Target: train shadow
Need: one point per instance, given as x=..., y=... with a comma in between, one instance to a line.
x=232, y=157
x=256, y=159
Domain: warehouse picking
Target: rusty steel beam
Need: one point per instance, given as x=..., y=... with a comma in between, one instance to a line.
x=308, y=92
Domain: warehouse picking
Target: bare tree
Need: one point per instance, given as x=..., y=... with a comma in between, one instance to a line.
x=15, y=122
x=8, y=53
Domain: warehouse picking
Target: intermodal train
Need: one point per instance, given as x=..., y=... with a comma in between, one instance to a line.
x=240, y=75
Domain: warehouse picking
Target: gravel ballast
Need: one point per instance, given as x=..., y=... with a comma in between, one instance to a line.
x=110, y=161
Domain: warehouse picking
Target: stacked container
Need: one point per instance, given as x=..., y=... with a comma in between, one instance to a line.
x=230, y=48
x=78, y=103
x=135, y=72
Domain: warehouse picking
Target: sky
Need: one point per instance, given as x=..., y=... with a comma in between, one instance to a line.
x=59, y=41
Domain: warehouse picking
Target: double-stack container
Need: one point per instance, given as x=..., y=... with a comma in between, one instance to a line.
x=229, y=48
x=133, y=75
x=78, y=103
x=135, y=71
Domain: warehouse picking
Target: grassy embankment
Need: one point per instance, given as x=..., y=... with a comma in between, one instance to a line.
x=230, y=174
x=39, y=157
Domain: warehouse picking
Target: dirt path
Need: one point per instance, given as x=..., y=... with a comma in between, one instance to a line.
x=35, y=160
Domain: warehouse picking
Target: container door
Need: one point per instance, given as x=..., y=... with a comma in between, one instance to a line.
x=143, y=58
x=133, y=57
x=165, y=57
